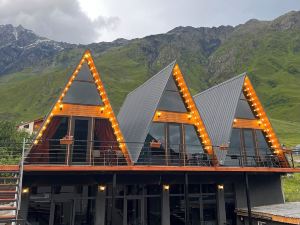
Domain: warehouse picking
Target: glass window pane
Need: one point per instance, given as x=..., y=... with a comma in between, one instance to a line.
x=84, y=93
x=157, y=133
x=243, y=109
x=85, y=73
x=153, y=151
x=174, y=143
x=177, y=210
x=249, y=142
x=262, y=144
x=192, y=142
x=171, y=99
x=153, y=211
x=234, y=152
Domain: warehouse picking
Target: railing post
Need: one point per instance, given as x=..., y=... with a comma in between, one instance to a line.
x=292, y=159
x=19, y=191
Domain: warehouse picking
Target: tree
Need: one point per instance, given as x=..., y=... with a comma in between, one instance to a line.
x=11, y=142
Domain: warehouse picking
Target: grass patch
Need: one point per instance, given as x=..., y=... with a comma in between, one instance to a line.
x=291, y=187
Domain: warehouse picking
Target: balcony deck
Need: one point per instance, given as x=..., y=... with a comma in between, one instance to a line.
x=152, y=168
x=101, y=157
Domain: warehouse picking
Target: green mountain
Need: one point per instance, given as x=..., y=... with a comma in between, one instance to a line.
x=33, y=71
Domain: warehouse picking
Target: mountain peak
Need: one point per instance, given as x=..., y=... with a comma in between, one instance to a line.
x=290, y=20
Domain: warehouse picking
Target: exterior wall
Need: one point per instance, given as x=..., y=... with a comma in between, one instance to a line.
x=264, y=190
x=28, y=127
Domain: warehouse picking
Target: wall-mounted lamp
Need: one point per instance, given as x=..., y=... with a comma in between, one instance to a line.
x=101, y=188
x=220, y=186
x=166, y=187
x=25, y=190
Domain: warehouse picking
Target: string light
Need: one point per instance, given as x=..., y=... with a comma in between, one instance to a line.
x=193, y=114
x=262, y=117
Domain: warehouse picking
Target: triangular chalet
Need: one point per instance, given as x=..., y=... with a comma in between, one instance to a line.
x=238, y=124
x=81, y=127
x=161, y=123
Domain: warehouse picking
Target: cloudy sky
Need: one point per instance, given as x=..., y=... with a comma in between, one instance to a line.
x=86, y=21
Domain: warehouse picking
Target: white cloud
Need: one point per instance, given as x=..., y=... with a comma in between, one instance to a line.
x=85, y=21
x=61, y=20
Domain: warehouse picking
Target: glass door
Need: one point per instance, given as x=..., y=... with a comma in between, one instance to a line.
x=134, y=211
x=175, y=144
x=62, y=213
x=249, y=147
x=81, y=135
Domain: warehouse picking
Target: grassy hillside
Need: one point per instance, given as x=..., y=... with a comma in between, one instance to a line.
x=206, y=56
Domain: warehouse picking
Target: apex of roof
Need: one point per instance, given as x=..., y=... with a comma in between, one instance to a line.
x=217, y=107
x=139, y=107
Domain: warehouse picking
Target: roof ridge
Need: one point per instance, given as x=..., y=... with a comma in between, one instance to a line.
x=218, y=85
x=172, y=63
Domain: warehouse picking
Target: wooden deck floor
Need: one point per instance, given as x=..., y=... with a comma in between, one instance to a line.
x=137, y=168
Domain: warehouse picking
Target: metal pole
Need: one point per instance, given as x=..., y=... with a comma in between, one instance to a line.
x=113, y=199
x=248, y=198
x=186, y=196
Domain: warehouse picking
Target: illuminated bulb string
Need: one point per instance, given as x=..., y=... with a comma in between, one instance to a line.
x=190, y=105
x=260, y=114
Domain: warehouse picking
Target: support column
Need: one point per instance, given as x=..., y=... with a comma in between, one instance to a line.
x=100, y=205
x=186, y=197
x=112, y=219
x=165, y=212
x=24, y=206
x=221, y=205
x=248, y=198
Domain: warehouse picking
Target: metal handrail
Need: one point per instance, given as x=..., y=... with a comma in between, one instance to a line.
x=83, y=152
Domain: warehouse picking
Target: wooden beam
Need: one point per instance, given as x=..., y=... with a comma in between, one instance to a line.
x=172, y=117
x=80, y=110
x=247, y=123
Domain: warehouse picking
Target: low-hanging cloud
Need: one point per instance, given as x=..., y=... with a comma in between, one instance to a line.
x=60, y=20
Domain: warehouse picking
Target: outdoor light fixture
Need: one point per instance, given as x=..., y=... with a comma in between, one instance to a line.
x=220, y=186
x=25, y=190
x=101, y=188
x=166, y=187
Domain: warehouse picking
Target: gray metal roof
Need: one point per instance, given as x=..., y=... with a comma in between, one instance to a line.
x=137, y=111
x=288, y=209
x=217, y=106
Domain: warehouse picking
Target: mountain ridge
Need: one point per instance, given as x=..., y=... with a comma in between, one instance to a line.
x=269, y=51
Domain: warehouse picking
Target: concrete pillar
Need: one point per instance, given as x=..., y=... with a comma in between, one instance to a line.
x=24, y=206
x=165, y=212
x=221, y=211
x=100, y=206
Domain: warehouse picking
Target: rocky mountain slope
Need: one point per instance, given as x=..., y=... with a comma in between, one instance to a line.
x=33, y=69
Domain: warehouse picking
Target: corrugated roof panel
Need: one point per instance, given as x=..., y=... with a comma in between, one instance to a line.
x=217, y=106
x=138, y=109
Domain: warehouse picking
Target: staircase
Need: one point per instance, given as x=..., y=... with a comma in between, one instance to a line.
x=9, y=195
x=10, y=192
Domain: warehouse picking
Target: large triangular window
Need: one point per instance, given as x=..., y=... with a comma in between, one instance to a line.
x=81, y=128
x=177, y=135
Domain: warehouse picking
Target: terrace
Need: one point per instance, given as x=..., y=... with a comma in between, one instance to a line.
x=56, y=155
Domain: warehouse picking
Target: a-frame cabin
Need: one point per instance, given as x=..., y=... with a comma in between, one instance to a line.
x=175, y=164
x=238, y=125
x=162, y=125
x=81, y=128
